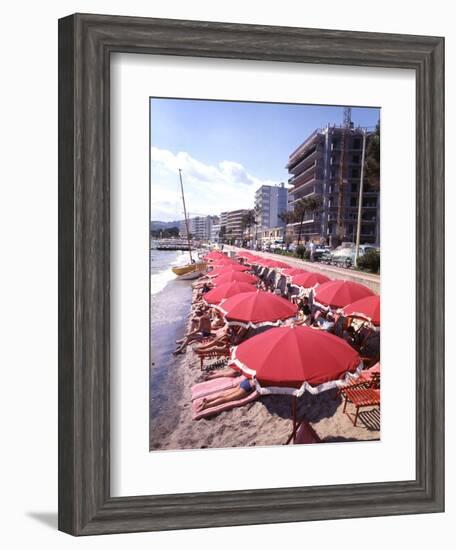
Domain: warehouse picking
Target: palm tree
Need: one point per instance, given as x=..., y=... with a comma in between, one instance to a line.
x=248, y=220
x=301, y=207
x=288, y=216
x=372, y=162
x=222, y=233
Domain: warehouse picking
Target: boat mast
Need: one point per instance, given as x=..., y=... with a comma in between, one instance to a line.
x=185, y=216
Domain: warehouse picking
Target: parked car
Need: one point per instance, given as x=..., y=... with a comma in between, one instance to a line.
x=345, y=256
x=323, y=254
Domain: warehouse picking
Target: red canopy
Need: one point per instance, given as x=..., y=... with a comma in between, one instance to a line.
x=214, y=255
x=222, y=260
x=226, y=290
x=244, y=254
x=278, y=263
x=293, y=271
x=309, y=280
x=257, y=308
x=340, y=293
x=238, y=276
x=293, y=359
x=367, y=308
x=221, y=269
x=268, y=262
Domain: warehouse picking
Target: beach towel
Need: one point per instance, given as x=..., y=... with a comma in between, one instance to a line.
x=216, y=385
x=220, y=408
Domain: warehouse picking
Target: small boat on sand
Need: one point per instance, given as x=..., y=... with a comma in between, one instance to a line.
x=190, y=271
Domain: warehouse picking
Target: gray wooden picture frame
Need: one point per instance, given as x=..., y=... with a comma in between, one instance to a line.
x=85, y=45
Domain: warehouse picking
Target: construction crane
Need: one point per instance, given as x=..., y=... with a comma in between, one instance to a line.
x=347, y=125
x=348, y=117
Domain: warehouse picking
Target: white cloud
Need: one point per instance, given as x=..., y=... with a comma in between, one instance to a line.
x=209, y=189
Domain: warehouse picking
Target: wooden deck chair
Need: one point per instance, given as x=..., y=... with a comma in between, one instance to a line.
x=362, y=395
x=211, y=354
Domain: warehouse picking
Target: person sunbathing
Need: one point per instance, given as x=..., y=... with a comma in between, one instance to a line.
x=195, y=317
x=226, y=372
x=325, y=322
x=219, y=341
x=203, y=330
x=243, y=389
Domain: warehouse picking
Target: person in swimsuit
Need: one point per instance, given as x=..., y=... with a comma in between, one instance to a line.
x=204, y=330
x=243, y=389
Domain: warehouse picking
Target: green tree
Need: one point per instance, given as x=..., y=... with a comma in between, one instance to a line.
x=372, y=161
x=302, y=207
x=222, y=233
x=288, y=216
x=248, y=219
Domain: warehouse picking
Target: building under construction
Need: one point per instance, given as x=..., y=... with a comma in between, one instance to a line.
x=327, y=166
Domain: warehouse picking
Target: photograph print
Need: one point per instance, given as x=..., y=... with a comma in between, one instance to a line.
x=264, y=274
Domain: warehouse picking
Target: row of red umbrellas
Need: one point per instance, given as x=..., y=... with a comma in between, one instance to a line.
x=294, y=359
x=355, y=299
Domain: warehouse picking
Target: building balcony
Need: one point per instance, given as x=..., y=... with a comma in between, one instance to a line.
x=297, y=154
x=307, y=162
x=312, y=179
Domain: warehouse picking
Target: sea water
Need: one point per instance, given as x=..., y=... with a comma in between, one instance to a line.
x=170, y=302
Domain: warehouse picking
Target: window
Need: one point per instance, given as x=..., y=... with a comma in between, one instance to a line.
x=356, y=143
x=355, y=172
x=355, y=159
x=353, y=201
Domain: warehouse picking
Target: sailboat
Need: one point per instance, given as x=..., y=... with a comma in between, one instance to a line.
x=192, y=270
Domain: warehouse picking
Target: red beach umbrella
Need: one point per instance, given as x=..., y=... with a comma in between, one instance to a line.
x=222, y=260
x=274, y=264
x=257, y=309
x=309, y=280
x=221, y=269
x=367, y=308
x=266, y=262
x=226, y=290
x=244, y=254
x=293, y=271
x=214, y=255
x=340, y=293
x=292, y=359
x=238, y=276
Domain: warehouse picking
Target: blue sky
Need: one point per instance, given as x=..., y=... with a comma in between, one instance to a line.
x=227, y=149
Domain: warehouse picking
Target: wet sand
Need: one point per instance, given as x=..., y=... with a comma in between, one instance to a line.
x=169, y=314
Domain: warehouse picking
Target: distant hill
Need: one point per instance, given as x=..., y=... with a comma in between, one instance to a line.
x=156, y=225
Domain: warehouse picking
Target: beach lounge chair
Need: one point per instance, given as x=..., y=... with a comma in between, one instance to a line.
x=362, y=395
x=224, y=352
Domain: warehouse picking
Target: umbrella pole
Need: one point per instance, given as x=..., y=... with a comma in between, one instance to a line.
x=293, y=412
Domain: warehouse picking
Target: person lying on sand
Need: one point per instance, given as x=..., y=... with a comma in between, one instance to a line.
x=220, y=341
x=202, y=331
x=234, y=394
x=226, y=372
x=203, y=281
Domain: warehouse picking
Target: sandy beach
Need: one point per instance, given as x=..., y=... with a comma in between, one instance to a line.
x=264, y=422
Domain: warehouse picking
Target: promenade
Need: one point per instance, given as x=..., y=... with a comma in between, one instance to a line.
x=370, y=280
